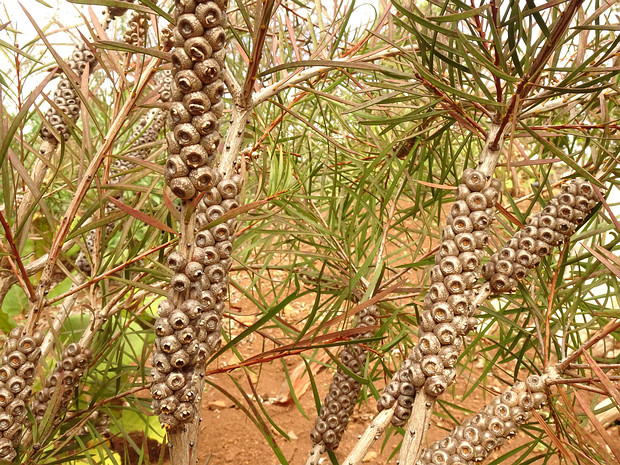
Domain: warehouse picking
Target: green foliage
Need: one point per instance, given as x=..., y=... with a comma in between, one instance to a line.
x=351, y=170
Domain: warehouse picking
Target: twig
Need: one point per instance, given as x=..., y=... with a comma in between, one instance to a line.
x=368, y=438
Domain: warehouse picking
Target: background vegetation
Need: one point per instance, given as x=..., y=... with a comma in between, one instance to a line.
x=350, y=164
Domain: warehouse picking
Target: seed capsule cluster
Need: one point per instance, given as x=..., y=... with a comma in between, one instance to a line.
x=446, y=317
x=65, y=377
x=136, y=29
x=188, y=328
x=344, y=390
x=478, y=436
x=65, y=96
x=197, y=62
x=545, y=230
x=20, y=356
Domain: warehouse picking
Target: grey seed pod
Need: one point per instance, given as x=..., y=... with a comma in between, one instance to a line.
x=212, y=197
x=161, y=391
x=438, y=292
x=16, y=359
x=216, y=273
x=510, y=398
x=426, y=321
x=528, y=244
x=182, y=188
x=582, y=203
x=179, y=359
x=565, y=212
x=176, y=168
x=446, y=333
x=501, y=283
x=16, y=384
x=186, y=335
x=564, y=227
x=197, y=103
x=474, y=180
x=6, y=421
x=542, y=248
x=435, y=385
x=168, y=421
x=179, y=114
x=469, y=261
x=224, y=248
x=519, y=416
x=491, y=195
x=198, y=255
x=175, y=381
x=184, y=412
x=437, y=275
x=567, y=199
x=176, y=262
x=186, y=134
x=402, y=414
x=449, y=356
x=429, y=344
x=547, y=221
x=181, y=59
x=502, y=411
x=465, y=242
x=216, y=37
x=519, y=271
x=466, y=450
x=455, y=284
x=208, y=71
x=463, y=224
x=194, y=156
x=476, y=201
x=198, y=49
x=6, y=397
x=431, y=365
x=165, y=308
x=526, y=401
x=169, y=405
x=535, y=383
x=188, y=81
x=161, y=363
x=163, y=327
x=178, y=320
x=448, y=233
x=228, y=188
x=168, y=344
x=448, y=265
x=448, y=249
x=67, y=363
x=221, y=232
x=460, y=208
x=214, y=91
x=205, y=124
x=189, y=26
x=204, y=239
x=505, y=267
x=230, y=204
x=26, y=345
x=211, y=141
x=459, y=304
x=180, y=282
x=480, y=220
x=462, y=192
x=547, y=234
x=472, y=435
x=442, y=312
x=193, y=271
x=192, y=308
x=209, y=14
x=524, y=258
x=214, y=212
x=208, y=299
